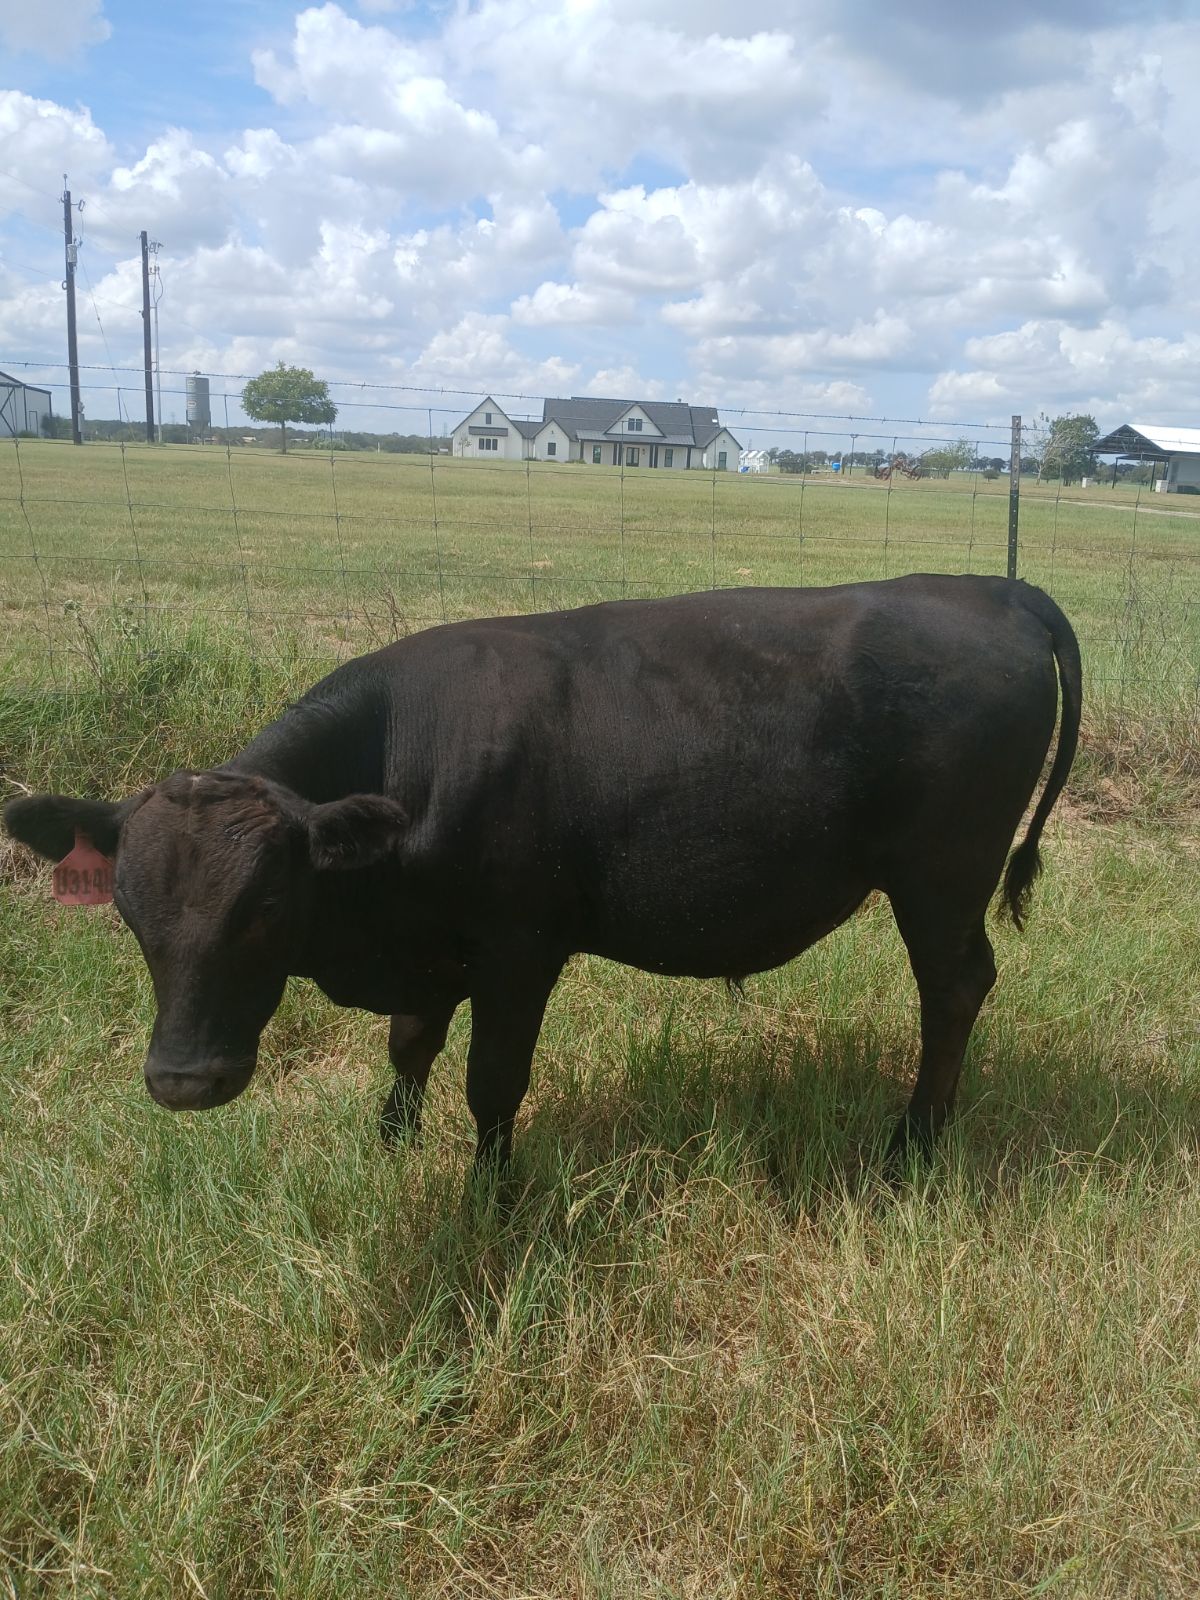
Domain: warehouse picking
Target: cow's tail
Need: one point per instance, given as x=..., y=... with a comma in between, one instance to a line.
x=1025, y=862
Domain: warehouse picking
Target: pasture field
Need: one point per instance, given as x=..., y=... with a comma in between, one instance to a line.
x=693, y=1349
x=348, y=549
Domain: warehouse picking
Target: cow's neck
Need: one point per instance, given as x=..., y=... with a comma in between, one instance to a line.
x=323, y=747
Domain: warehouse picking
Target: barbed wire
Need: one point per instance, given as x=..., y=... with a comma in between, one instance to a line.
x=477, y=393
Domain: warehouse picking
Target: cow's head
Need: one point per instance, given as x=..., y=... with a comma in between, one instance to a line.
x=215, y=873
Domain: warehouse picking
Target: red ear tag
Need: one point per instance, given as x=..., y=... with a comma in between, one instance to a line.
x=85, y=877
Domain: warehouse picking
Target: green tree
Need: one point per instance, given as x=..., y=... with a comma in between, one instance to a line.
x=948, y=458
x=288, y=394
x=1070, y=448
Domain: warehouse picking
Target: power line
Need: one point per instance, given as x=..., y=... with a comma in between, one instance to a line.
x=32, y=272
x=511, y=394
x=43, y=194
x=104, y=337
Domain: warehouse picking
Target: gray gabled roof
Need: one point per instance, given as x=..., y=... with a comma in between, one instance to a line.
x=582, y=416
x=581, y=413
x=706, y=437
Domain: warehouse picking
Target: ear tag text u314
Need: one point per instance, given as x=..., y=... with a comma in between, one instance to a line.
x=85, y=877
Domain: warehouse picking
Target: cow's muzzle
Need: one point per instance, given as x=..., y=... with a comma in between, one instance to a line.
x=197, y=1089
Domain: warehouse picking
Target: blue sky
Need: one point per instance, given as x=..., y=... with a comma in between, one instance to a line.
x=784, y=207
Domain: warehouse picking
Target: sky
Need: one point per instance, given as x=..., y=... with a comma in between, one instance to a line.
x=825, y=209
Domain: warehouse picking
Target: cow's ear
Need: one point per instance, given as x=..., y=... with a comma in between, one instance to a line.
x=354, y=832
x=48, y=823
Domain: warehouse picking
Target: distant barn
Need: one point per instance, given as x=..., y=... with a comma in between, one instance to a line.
x=1178, y=448
x=22, y=407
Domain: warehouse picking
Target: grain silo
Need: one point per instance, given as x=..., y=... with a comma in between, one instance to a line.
x=199, y=416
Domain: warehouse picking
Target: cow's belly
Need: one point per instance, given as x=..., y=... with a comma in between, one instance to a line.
x=726, y=935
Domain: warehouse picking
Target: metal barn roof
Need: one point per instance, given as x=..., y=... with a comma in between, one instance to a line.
x=1149, y=441
x=9, y=382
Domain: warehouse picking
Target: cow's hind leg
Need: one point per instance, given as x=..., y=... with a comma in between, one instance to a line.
x=413, y=1043
x=952, y=962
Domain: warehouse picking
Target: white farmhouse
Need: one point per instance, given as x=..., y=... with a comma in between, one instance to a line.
x=1179, y=448
x=617, y=433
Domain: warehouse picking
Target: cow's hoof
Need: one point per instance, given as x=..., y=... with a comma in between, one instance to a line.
x=910, y=1147
x=395, y=1132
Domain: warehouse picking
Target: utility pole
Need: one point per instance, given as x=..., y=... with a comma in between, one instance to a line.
x=157, y=275
x=1014, y=495
x=146, y=337
x=72, y=250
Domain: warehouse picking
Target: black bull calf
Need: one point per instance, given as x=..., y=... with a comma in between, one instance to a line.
x=703, y=786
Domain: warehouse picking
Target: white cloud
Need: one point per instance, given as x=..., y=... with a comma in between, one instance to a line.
x=59, y=30
x=1107, y=370
x=178, y=184
x=784, y=206
x=51, y=139
x=691, y=83
x=394, y=120
x=554, y=305
x=476, y=354
x=617, y=382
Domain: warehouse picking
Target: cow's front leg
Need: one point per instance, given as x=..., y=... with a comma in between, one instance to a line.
x=507, y=1007
x=413, y=1042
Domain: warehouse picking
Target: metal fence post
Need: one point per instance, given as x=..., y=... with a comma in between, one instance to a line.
x=1014, y=495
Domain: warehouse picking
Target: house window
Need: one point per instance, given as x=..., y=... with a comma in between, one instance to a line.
x=721, y=458
x=634, y=424
x=489, y=444
x=487, y=419
x=668, y=458
x=631, y=455
x=596, y=455
x=552, y=448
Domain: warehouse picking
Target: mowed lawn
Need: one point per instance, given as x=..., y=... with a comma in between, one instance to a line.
x=693, y=1349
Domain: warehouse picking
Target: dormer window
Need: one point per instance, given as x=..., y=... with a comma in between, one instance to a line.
x=634, y=424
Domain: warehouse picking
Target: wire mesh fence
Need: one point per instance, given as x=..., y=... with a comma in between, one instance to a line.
x=347, y=548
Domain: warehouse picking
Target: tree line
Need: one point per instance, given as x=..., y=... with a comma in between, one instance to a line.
x=1060, y=447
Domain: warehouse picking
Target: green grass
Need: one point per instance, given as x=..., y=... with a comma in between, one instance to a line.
x=349, y=549
x=695, y=1351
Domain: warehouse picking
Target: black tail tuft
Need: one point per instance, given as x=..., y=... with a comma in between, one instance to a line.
x=1024, y=866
